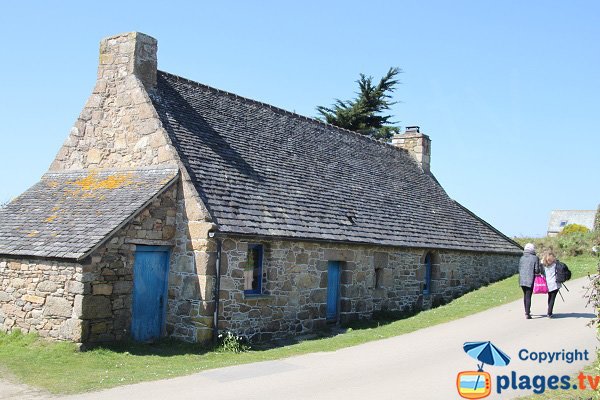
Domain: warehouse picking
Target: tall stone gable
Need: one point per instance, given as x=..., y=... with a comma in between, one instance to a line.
x=120, y=128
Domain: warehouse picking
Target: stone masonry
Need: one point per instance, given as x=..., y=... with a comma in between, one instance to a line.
x=38, y=296
x=418, y=146
x=295, y=283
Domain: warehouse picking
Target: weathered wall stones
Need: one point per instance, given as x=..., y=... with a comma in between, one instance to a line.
x=295, y=283
x=33, y=297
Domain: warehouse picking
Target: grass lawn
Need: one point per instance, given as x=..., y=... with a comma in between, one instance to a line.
x=53, y=366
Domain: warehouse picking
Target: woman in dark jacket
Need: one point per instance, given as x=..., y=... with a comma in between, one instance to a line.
x=529, y=265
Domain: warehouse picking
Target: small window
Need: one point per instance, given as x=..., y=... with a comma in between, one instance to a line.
x=427, y=283
x=253, y=270
x=563, y=223
x=378, y=278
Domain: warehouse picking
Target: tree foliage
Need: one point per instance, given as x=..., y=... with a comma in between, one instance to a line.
x=365, y=114
x=597, y=220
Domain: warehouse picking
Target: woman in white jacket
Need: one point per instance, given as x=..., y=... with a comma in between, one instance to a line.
x=549, y=263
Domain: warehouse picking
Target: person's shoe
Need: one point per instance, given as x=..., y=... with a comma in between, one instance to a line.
x=527, y=316
x=550, y=316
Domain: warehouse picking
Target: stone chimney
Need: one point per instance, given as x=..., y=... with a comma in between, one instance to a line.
x=128, y=53
x=417, y=144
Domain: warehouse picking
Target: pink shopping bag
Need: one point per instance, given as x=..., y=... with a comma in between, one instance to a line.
x=539, y=285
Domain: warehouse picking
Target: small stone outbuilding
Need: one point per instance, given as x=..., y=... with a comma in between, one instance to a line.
x=176, y=209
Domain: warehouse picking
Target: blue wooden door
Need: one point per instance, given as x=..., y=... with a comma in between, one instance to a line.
x=333, y=289
x=150, y=272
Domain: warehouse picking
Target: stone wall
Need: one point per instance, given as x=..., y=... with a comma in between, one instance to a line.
x=295, y=283
x=38, y=296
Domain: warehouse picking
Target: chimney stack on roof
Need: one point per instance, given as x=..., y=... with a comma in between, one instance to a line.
x=127, y=54
x=417, y=144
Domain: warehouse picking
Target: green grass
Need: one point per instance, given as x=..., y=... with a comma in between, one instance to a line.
x=53, y=366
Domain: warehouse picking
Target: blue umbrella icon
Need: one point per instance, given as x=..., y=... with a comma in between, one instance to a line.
x=487, y=353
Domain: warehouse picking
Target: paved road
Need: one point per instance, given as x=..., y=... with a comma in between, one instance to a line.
x=420, y=365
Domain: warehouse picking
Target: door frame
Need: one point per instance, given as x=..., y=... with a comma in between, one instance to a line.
x=163, y=312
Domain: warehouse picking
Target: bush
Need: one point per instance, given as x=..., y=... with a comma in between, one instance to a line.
x=597, y=220
x=565, y=245
x=231, y=343
x=572, y=229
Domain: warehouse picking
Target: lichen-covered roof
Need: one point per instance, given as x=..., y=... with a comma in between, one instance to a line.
x=265, y=171
x=67, y=214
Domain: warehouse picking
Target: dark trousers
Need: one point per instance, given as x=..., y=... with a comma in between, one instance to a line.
x=527, y=292
x=551, y=298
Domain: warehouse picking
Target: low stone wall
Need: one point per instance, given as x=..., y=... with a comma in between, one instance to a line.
x=295, y=283
x=38, y=296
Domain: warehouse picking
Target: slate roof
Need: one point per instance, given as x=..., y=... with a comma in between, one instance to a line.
x=68, y=214
x=265, y=171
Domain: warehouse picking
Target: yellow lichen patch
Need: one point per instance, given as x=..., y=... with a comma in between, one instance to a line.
x=92, y=182
x=51, y=218
x=33, y=233
x=52, y=184
x=55, y=208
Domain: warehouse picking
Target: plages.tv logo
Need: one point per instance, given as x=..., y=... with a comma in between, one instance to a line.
x=478, y=384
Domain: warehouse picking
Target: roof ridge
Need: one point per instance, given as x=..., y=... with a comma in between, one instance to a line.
x=282, y=110
x=165, y=168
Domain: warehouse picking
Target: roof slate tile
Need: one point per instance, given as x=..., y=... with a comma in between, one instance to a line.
x=66, y=214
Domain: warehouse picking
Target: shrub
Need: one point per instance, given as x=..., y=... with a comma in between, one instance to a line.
x=565, y=245
x=572, y=229
x=231, y=343
x=597, y=220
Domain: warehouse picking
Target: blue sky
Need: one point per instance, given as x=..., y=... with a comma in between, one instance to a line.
x=508, y=91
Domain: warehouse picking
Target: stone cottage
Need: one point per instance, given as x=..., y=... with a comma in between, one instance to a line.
x=176, y=209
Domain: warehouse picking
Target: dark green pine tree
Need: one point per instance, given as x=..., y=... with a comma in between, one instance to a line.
x=364, y=114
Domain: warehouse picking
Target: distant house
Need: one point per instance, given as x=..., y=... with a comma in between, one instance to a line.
x=561, y=218
x=176, y=209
